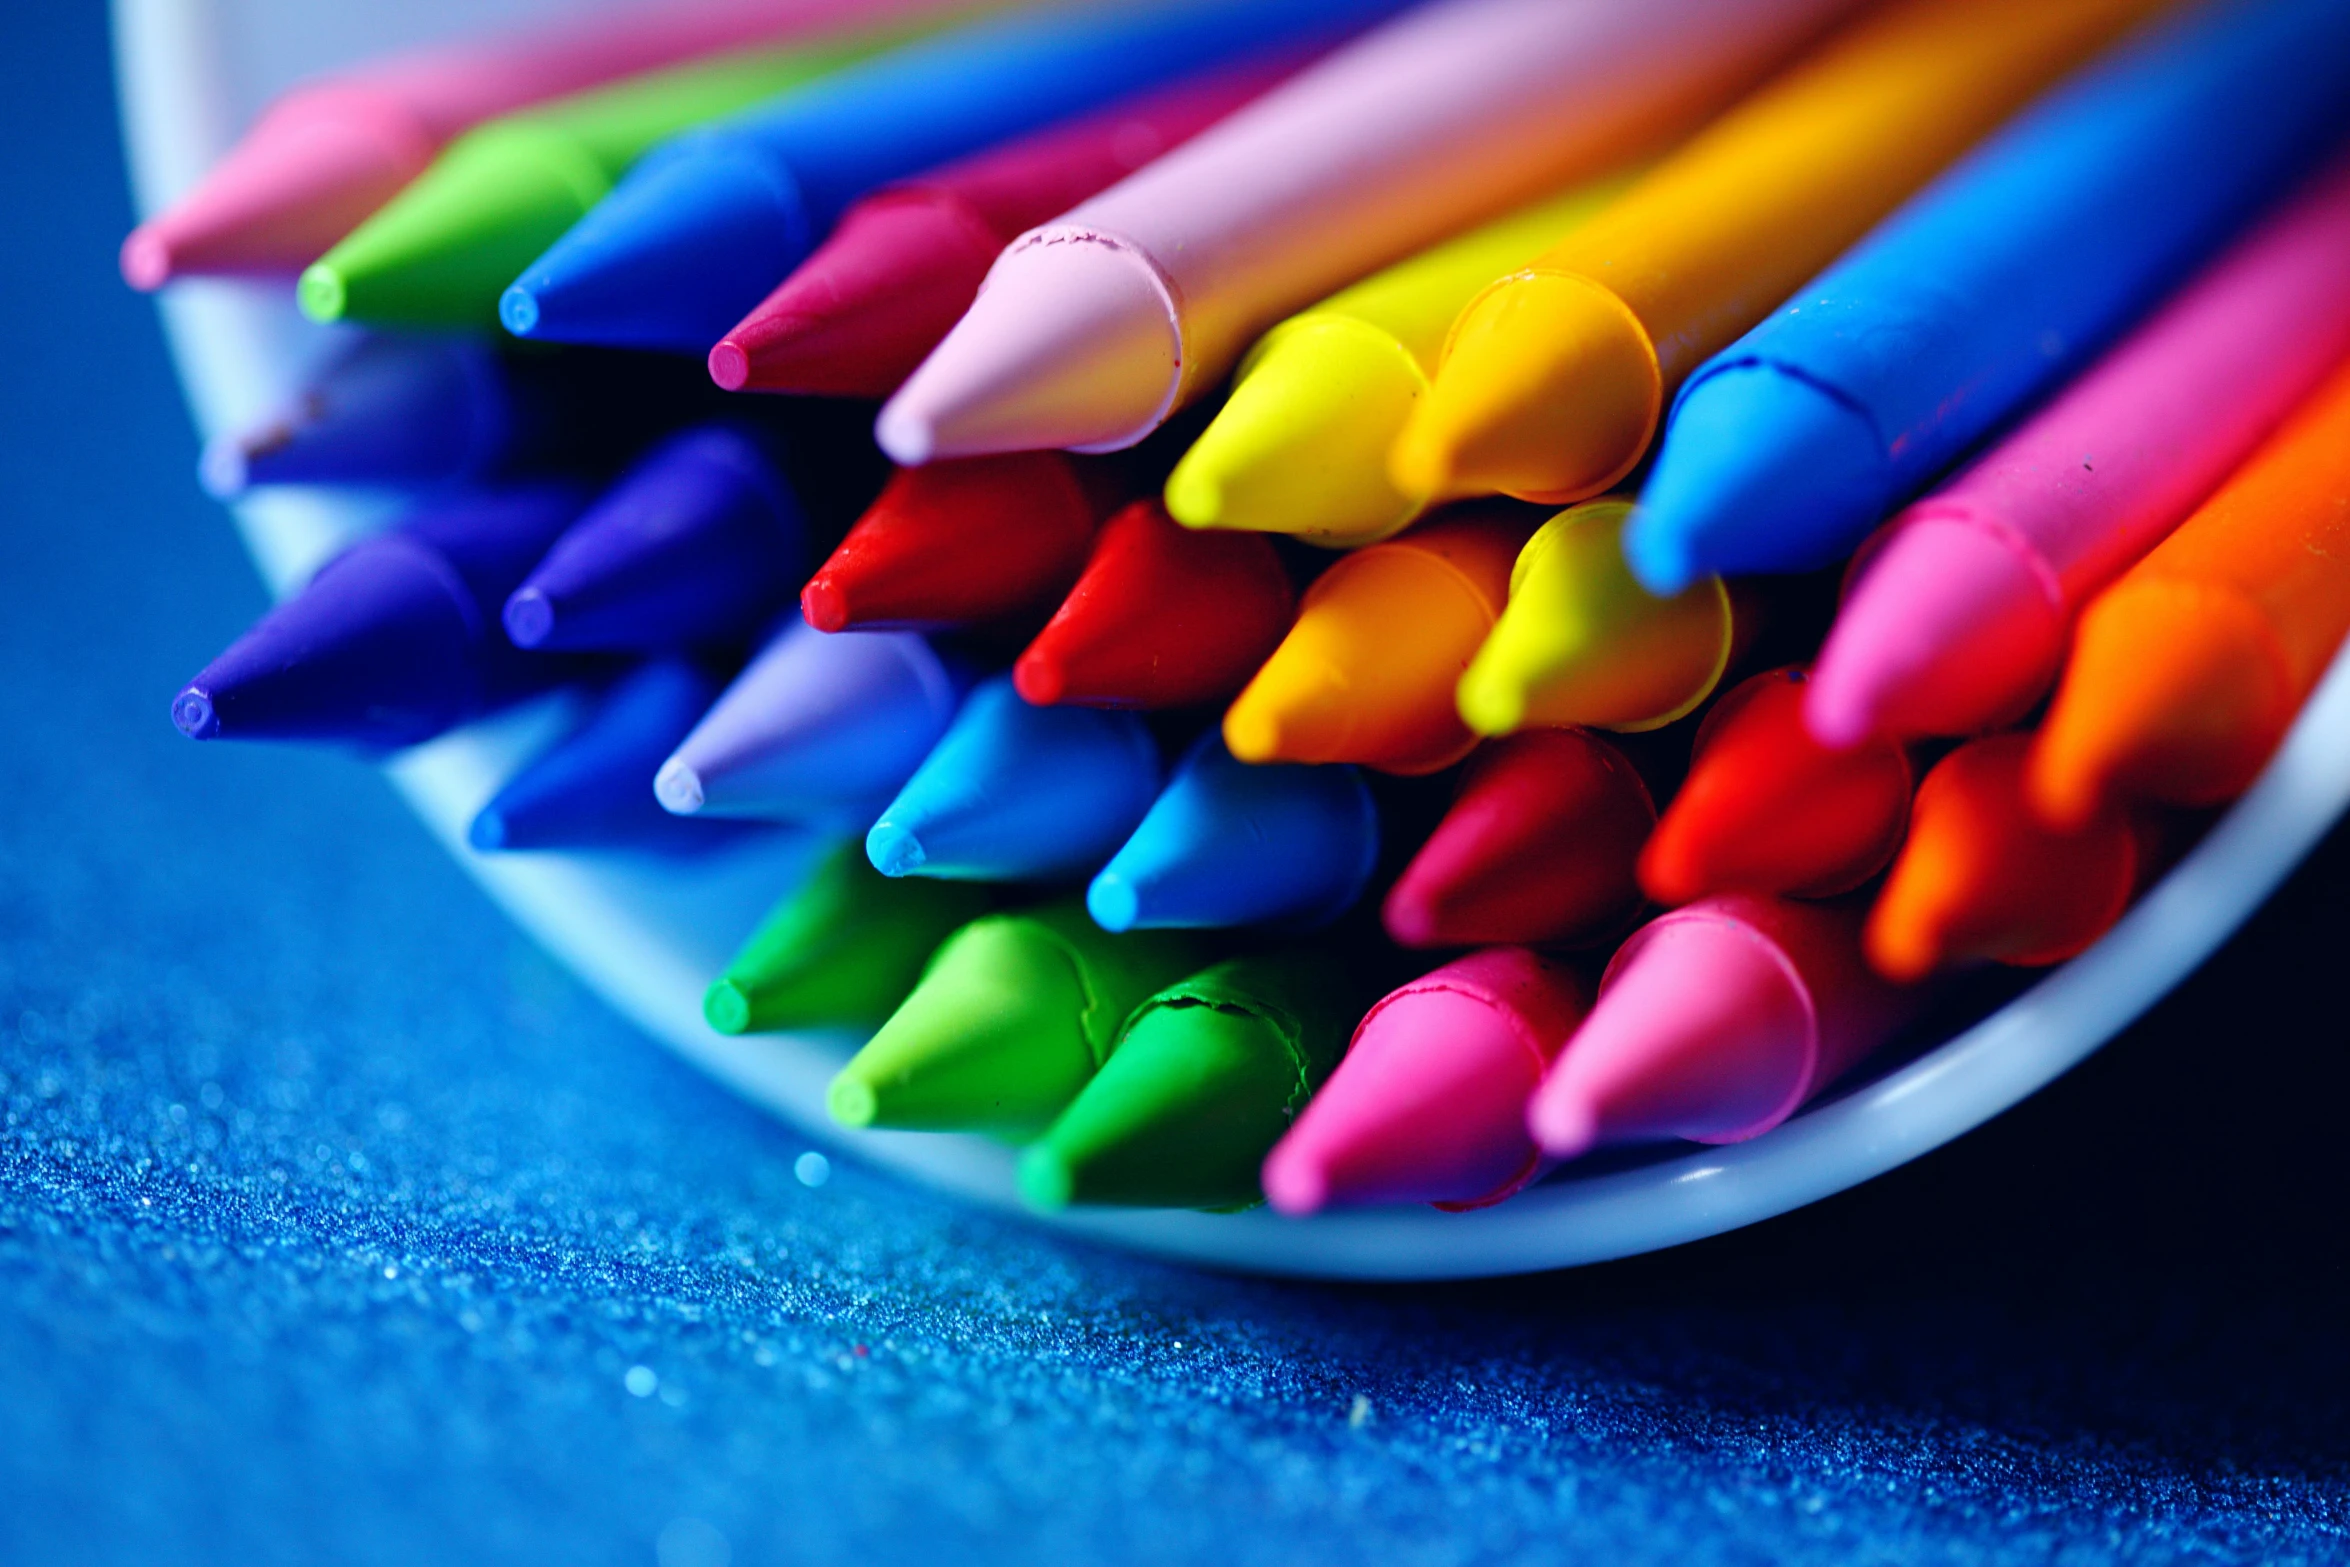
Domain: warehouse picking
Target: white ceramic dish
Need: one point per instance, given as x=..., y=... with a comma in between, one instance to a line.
x=649, y=935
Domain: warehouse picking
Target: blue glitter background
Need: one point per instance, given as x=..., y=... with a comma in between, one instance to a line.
x=337, y=1223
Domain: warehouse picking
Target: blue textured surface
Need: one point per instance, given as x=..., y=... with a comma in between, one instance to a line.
x=336, y=1223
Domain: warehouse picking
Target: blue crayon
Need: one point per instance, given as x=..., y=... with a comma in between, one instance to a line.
x=1018, y=793
x=396, y=639
x=594, y=787
x=1231, y=844
x=1988, y=288
x=705, y=226
x=701, y=542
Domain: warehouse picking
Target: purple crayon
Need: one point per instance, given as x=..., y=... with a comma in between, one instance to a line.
x=702, y=541
x=396, y=639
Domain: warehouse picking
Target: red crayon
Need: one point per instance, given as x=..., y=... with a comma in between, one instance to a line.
x=1164, y=616
x=1539, y=848
x=903, y=264
x=1766, y=808
x=962, y=543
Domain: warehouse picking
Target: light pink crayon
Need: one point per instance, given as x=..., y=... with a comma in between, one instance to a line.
x=1957, y=611
x=1091, y=329
x=1715, y=1022
x=1429, y=1103
x=328, y=153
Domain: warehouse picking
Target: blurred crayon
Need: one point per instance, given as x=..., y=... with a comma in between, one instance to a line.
x=1715, y=1023
x=2186, y=673
x=1581, y=642
x=819, y=730
x=1160, y=617
x=395, y=639
x=1012, y=1016
x=1227, y=844
x=1018, y=793
x=858, y=315
x=1204, y=1079
x=1767, y=808
x=843, y=949
x=1538, y=849
x=1092, y=329
x=1988, y=289
x=703, y=229
x=963, y=543
x=1958, y=611
x=1300, y=445
x=1982, y=877
x=1367, y=672
x=1429, y=1102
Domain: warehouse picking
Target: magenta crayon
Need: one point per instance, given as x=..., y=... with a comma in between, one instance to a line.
x=395, y=639
x=1959, y=610
x=1429, y=1102
x=1715, y=1023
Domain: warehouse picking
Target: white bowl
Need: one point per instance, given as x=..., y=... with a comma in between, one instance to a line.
x=649, y=935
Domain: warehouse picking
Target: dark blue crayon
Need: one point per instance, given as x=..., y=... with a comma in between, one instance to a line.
x=1988, y=288
x=1018, y=793
x=701, y=542
x=1231, y=844
x=704, y=227
x=396, y=639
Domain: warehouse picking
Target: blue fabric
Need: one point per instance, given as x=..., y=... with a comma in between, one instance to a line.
x=338, y=1225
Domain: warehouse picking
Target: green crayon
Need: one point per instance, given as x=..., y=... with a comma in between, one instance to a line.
x=844, y=949
x=1206, y=1077
x=1013, y=1015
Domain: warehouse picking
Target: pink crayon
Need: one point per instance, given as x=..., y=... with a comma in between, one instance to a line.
x=1091, y=329
x=327, y=154
x=1429, y=1103
x=1958, y=610
x=1715, y=1023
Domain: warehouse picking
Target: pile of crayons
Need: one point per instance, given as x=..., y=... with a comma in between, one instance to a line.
x=1221, y=347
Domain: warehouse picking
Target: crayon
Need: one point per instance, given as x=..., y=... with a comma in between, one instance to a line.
x=1538, y=849
x=441, y=252
x=1204, y=1079
x=1959, y=609
x=1227, y=844
x=904, y=263
x=1429, y=1102
x=843, y=949
x=819, y=730
x=1982, y=878
x=395, y=639
x=1989, y=289
x=1767, y=808
x=1300, y=445
x=704, y=228
x=593, y=788
x=1093, y=328
x=2186, y=673
x=1555, y=376
x=1367, y=673
x=1581, y=642
x=1012, y=1016
x=698, y=543
x=1715, y=1023
x=962, y=543
x=1160, y=617
x=334, y=149
x=1018, y=793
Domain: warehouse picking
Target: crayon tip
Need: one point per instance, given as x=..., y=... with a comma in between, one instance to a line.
x=823, y=605
x=1041, y=676
x=518, y=310
x=224, y=469
x=146, y=259
x=1294, y=711
x=1549, y=391
x=192, y=712
x=678, y=787
x=1047, y=1183
x=730, y=366
x=893, y=849
x=725, y=1007
x=1294, y=1182
x=852, y=1102
x=529, y=617
x=1114, y=902
x=322, y=292
x=487, y=831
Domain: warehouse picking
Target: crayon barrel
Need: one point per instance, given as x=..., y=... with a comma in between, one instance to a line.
x=648, y=936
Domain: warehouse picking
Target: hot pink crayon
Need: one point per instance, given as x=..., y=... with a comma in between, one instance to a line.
x=327, y=154
x=1959, y=609
x=1715, y=1023
x=1429, y=1104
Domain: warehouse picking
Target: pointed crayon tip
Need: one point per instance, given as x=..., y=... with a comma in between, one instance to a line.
x=725, y=1007
x=192, y=712
x=678, y=787
x=1294, y=1182
x=852, y=1102
x=321, y=292
x=528, y=616
x=146, y=259
x=1294, y=711
x=1041, y=677
x=823, y=605
x=1047, y=1183
x=487, y=831
x=893, y=848
x=518, y=311
x=1113, y=901
x=730, y=366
